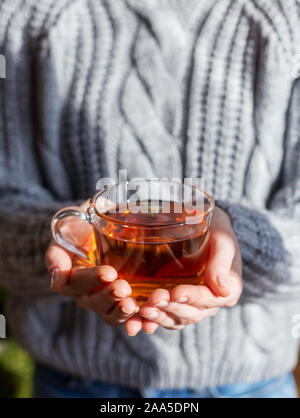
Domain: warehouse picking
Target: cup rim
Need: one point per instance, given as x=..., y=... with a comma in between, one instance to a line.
x=204, y=215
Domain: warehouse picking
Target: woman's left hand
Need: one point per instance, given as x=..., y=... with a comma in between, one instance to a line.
x=188, y=304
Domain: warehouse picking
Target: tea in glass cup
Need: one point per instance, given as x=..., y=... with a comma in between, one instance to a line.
x=155, y=237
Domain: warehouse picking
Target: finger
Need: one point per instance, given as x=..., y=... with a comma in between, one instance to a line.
x=114, y=292
x=85, y=280
x=99, y=305
x=117, y=290
x=59, y=265
x=199, y=296
x=104, y=300
x=95, y=302
x=222, y=249
x=159, y=298
x=149, y=326
x=186, y=314
x=182, y=314
x=121, y=312
x=133, y=325
x=159, y=316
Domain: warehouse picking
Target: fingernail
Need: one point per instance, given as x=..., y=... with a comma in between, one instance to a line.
x=182, y=300
x=54, y=276
x=126, y=311
x=152, y=315
x=107, y=277
x=119, y=293
x=161, y=304
x=223, y=282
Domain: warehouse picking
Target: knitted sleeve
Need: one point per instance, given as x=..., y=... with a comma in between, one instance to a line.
x=28, y=197
x=269, y=238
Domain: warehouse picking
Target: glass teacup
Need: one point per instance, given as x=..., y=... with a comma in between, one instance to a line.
x=155, y=236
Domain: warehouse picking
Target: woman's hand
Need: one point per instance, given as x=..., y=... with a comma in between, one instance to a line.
x=94, y=288
x=187, y=304
x=97, y=289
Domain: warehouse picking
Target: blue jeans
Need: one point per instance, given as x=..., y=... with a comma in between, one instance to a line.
x=50, y=383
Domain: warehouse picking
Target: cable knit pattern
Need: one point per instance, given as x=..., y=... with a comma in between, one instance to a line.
x=160, y=88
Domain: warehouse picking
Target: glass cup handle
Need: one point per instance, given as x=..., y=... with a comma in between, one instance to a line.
x=69, y=227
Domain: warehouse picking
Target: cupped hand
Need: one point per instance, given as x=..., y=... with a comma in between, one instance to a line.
x=97, y=289
x=93, y=288
x=188, y=304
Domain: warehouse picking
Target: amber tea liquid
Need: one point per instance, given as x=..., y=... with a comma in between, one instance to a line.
x=155, y=249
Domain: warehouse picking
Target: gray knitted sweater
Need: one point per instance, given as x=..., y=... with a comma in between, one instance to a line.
x=160, y=88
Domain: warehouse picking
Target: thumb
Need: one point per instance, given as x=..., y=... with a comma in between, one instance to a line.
x=59, y=265
x=221, y=254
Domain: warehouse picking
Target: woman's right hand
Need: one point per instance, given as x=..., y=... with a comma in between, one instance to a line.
x=94, y=288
